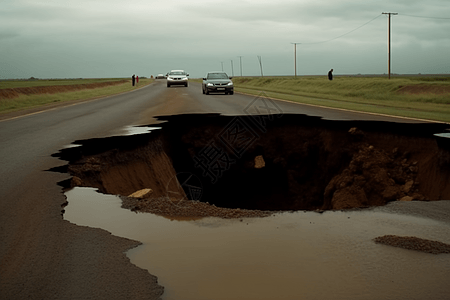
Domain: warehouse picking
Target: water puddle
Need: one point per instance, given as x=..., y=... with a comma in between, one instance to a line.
x=133, y=130
x=296, y=255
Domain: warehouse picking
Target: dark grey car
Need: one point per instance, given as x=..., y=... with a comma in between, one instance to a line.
x=217, y=82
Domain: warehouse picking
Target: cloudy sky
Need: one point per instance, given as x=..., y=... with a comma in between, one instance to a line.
x=117, y=38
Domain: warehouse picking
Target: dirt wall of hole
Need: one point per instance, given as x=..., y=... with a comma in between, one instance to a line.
x=309, y=163
x=122, y=166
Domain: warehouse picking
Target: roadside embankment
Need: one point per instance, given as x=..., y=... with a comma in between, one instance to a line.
x=10, y=93
x=415, y=97
x=17, y=96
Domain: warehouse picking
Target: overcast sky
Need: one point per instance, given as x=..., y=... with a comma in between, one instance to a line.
x=117, y=38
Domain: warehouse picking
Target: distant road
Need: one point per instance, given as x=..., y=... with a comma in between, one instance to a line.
x=44, y=256
x=176, y=100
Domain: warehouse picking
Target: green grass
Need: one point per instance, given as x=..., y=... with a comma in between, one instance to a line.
x=36, y=100
x=368, y=94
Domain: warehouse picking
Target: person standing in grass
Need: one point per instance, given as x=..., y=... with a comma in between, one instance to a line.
x=137, y=79
x=133, y=78
x=330, y=74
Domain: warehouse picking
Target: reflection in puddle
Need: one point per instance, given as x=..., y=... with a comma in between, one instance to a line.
x=287, y=256
x=133, y=130
x=444, y=135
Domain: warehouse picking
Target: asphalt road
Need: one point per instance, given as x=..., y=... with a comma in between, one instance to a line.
x=43, y=256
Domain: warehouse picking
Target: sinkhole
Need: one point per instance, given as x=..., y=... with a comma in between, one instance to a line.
x=268, y=162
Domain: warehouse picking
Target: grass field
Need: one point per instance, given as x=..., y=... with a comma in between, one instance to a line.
x=36, y=100
x=7, y=84
x=426, y=97
x=414, y=97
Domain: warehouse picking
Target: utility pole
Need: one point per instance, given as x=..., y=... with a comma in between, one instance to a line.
x=389, y=41
x=260, y=65
x=295, y=57
x=232, y=69
x=240, y=63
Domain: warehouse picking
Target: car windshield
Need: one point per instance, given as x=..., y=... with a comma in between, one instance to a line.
x=217, y=76
x=176, y=73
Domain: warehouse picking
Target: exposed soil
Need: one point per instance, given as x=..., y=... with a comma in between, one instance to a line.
x=165, y=206
x=413, y=243
x=373, y=177
x=53, y=89
x=292, y=162
x=417, y=89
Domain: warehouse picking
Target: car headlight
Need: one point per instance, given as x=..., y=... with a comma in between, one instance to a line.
x=209, y=84
x=230, y=83
x=169, y=78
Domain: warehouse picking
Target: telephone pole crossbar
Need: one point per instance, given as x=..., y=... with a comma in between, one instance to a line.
x=389, y=40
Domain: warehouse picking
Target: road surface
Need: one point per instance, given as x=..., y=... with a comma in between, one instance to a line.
x=42, y=256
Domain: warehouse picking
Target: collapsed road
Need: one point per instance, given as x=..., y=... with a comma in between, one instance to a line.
x=44, y=256
x=268, y=163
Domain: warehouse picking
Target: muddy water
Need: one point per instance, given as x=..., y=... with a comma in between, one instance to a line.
x=301, y=255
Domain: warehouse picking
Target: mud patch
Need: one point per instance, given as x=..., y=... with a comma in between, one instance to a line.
x=293, y=162
x=418, y=89
x=413, y=243
x=165, y=206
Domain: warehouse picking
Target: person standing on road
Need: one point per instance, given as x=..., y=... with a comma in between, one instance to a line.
x=330, y=74
x=132, y=79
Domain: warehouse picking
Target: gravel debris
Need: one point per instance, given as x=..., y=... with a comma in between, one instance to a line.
x=413, y=243
x=165, y=206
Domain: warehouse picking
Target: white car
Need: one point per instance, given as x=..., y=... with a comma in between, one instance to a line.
x=177, y=77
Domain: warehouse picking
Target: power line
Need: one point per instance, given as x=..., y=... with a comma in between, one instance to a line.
x=344, y=33
x=425, y=17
